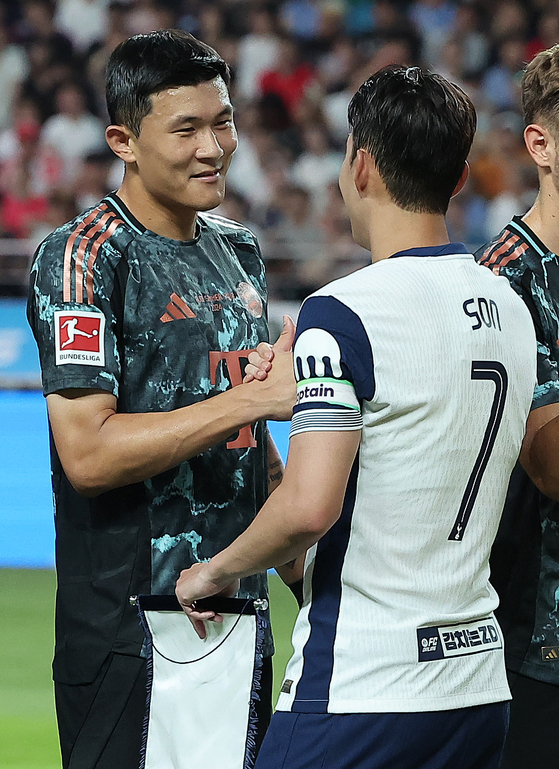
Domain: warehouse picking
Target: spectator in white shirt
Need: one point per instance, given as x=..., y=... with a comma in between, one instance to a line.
x=13, y=71
x=73, y=132
x=257, y=52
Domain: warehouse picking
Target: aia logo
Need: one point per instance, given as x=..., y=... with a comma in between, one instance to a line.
x=79, y=337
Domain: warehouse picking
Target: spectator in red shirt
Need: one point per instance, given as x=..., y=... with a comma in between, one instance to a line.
x=291, y=78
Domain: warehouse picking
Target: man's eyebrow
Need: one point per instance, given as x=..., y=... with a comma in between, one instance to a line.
x=182, y=119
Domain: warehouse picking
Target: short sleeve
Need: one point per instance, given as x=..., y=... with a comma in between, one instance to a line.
x=333, y=363
x=75, y=327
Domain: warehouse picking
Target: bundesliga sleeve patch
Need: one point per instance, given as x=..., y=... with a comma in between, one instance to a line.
x=79, y=337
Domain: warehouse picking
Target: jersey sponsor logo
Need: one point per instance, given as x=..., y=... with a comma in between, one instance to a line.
x=79, y=337
x=326, y=390
x=317, y=354
x=250, y=299
x=430, y=645
x=442, y=642
x=177, y=309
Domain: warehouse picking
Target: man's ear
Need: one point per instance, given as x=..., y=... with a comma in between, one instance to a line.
x=462, y=180
x=540, y=145
x=122, y=141
x=361, y=171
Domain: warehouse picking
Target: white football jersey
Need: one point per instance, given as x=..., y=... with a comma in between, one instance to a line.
x=433, y=357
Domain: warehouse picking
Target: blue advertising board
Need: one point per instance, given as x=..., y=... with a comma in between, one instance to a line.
x=26, y=509
x=19, y=360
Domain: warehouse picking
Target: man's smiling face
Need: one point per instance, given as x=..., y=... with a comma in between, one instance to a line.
x=185, y=146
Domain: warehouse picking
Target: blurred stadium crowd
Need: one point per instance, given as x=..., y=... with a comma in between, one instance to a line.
x=295, y=65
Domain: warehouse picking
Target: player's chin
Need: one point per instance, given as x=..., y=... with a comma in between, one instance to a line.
x=210, y=200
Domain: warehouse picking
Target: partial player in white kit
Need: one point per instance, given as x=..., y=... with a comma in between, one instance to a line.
x=415, y=377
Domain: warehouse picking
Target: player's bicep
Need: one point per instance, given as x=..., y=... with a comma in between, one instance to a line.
x=317, y=471
x=76, y=417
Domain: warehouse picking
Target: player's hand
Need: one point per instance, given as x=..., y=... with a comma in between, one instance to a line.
x=194, y=583
x=260, y=360
x=275, y=395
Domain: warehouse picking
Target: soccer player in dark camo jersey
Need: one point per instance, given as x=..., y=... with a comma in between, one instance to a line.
x=143, y=310
x=525, y=559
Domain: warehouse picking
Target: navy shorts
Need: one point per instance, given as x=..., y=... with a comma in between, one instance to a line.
x=468, y=738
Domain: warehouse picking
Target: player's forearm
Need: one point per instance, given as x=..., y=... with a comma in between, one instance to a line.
x=284, y=529
x=255, y=555
x=115, y=449
x=306, y=504
x=275, y=466
x=293, y=570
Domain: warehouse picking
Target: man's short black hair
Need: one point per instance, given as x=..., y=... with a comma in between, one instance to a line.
x=146, y=64
x=418, y=128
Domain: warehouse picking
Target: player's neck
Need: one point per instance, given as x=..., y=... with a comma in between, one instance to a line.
x=392, y=230
x=177, y=224
x=543, y=217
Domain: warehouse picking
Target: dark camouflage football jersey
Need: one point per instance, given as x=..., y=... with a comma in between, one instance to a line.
x=161, y=324
x=525, y=557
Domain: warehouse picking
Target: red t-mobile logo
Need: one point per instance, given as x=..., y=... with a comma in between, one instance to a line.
x=232, y=360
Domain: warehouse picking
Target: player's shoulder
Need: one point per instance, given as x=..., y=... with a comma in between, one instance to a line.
x=228, y=228
x=335, y=303
x=513, y=251
x=347, y=285
x=90, y=232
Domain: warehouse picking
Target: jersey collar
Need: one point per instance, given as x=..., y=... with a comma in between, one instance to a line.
x=116, y=204
x=448, y=249
x=522, y=229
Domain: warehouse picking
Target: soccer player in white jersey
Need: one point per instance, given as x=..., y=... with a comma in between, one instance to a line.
x=415, y=376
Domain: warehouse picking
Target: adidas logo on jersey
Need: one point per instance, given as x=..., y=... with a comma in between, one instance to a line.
x=177, y=309
x=550, y=653
x=286, y=686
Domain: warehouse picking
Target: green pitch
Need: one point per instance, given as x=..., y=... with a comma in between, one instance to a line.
x=28, y=738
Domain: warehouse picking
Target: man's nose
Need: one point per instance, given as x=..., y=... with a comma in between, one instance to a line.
x=209, y=146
